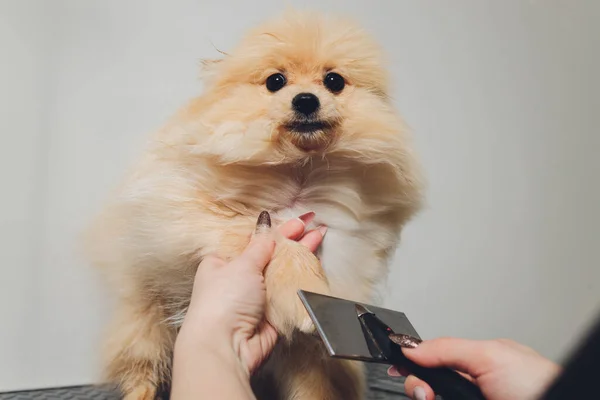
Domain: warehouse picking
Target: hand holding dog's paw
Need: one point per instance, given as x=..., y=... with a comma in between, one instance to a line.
x=240, y=316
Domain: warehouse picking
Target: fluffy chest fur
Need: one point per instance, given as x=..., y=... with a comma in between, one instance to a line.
x=360, y=205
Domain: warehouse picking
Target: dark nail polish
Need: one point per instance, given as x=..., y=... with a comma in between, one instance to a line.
x=264, y=222
x=405, y=341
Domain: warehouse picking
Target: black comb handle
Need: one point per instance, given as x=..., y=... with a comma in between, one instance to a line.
x=444, y=381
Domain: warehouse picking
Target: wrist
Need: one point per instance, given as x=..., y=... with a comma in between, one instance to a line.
x=207, y=365
x=206, y=325
x=207, y=351
x=194, y=341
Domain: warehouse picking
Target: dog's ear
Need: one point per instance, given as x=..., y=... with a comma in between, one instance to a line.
x=209, y=69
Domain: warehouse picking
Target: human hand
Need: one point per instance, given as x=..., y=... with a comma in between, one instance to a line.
x=503, y=369
x=228, y=299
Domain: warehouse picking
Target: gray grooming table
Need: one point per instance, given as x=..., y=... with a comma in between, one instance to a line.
x=381, y=387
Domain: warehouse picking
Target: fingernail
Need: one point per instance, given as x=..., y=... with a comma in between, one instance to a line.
x=263, y=224
x=392, y=371
x=307, y=218
x=419, y=393
x=323, y=230
x=405, y=341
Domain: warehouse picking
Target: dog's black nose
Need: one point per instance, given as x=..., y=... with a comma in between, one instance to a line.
x=306, y=103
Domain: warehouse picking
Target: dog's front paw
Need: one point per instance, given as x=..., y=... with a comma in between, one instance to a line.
x=307, y=326
x=293, y=267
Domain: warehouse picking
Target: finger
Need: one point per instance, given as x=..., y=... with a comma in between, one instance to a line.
x=515, y=345
x=258, y=253
x=268, y=337
x=263, y=223
x=417, y=389
x=468, y=356
x=260, y=250
x=264, y=339
x=397, y=371
x=466, y=376
x=294, y=228
x=313, y=238
x=260, y=345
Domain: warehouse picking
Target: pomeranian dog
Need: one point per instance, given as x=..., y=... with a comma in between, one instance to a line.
x=296, y=119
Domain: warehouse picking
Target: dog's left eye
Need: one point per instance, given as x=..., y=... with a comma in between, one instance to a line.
x=334, y=82
x=276, y=82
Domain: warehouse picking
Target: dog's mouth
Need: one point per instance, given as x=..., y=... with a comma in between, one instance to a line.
x=310, y=135
x=307, y=127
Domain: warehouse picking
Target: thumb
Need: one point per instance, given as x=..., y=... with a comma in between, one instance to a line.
x=260, y=250
x=468, y=356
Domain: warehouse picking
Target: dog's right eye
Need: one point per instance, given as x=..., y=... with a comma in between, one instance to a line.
x=276, y=82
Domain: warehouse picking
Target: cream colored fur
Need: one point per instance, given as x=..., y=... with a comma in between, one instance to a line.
x=227, y=156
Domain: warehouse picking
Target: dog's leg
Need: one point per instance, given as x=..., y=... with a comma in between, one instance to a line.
x=293, y=267
x=139, y=351
x=305, y=372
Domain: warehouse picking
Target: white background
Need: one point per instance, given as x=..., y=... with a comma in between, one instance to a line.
x=502, y=97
